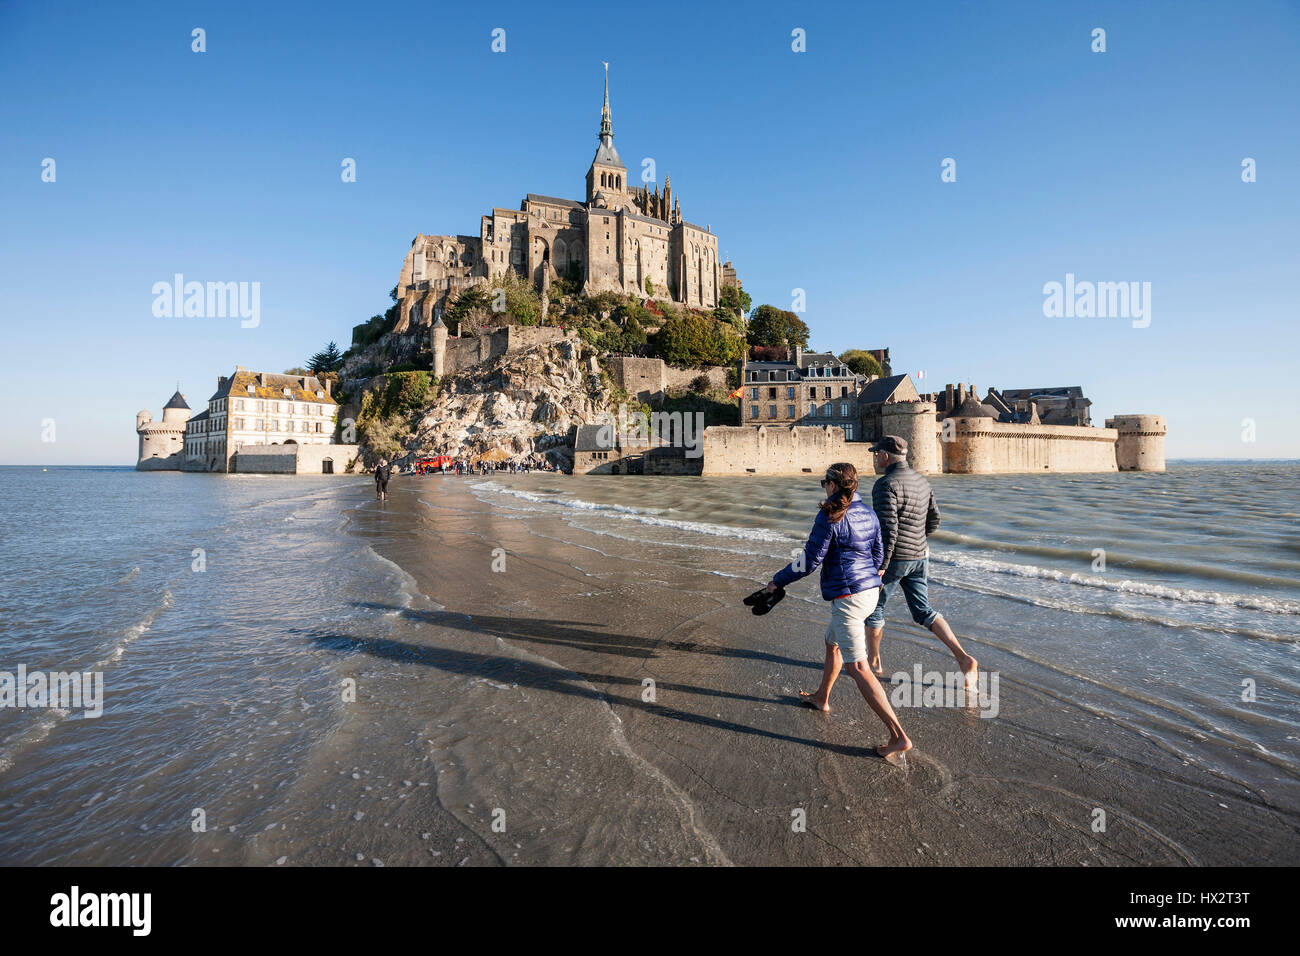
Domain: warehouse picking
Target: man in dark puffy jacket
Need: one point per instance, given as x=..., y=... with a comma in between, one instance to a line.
x=904, y=504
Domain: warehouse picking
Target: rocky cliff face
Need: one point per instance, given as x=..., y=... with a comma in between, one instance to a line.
x=524, y=403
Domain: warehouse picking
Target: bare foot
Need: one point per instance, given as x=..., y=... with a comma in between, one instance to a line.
x=876, y=668
x=971, y=669
x=815, y=702
x=894, y=750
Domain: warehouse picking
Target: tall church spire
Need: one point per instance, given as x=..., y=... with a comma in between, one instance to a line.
x=607, y=178
x=606, y=122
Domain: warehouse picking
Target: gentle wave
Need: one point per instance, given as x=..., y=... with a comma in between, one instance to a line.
x=133, y=633
x=1117, y=559
x=34, y=734
x=1074, y=607
x=646, y=516
x=1249, y=602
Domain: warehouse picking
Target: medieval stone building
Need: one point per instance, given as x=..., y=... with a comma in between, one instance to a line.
x=620, y=238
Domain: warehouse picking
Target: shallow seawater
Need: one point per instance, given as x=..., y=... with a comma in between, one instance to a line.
x=1167, y=596
x=322, y=680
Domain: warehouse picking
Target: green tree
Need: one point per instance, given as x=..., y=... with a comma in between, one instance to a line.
x=693, y=339
x=862, y=362
x=734, y=299
x=522, y=303
x=296, y=371
x=328, y=359
x=474, y=303
x=771, y=326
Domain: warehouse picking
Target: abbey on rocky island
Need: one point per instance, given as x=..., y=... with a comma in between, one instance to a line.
x=621, y=238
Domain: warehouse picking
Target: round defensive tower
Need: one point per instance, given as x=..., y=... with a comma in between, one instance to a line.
x=162, y=442
x=176, y=410
x=1141, y=442
x=914, y=422
x=965, y=449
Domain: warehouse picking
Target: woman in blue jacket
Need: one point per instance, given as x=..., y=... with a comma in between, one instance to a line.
x=845, y=543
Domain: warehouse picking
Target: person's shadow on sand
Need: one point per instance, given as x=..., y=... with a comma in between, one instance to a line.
x=576, y=634
x=545, y=677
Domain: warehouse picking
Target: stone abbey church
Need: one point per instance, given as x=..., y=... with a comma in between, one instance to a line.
x=622, y=238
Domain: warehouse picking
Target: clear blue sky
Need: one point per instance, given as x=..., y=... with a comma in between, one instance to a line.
x=818, y=170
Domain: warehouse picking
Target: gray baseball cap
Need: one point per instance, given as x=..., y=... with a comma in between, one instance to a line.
x=892, y=444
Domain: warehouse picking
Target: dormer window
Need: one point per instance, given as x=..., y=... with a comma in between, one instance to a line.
x=251, y=390
x=320, y=393
x=288, y=392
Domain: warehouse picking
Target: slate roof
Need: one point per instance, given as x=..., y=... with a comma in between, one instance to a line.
x=606, y=154
x=554, y=200
x=588, y=439
x=1032, y=394
x=879, y=391
x=271, y=386
x=971, y=408
x=176, y=401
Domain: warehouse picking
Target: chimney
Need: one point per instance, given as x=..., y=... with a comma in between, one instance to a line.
x=948, y=406
x=961, y=394
x=974, y=392
x=797, y=355
x=221, y=382
x=328, y=383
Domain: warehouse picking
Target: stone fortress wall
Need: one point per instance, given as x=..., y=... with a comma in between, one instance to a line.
x=649, y=379
x=293, y=459
x=780, y=450
x=974, y=446
x=981, y=446
x=452, y=354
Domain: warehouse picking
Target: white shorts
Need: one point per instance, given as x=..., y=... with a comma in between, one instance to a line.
x=847, y=628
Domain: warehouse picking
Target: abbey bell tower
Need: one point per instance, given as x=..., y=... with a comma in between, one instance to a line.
x=607, y=177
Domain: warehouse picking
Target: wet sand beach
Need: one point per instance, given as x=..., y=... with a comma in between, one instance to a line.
x=522, y=695
x=545, y=669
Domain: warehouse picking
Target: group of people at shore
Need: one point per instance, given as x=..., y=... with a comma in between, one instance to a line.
x=459, y=466
x=384, y=471
x=865, y=552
